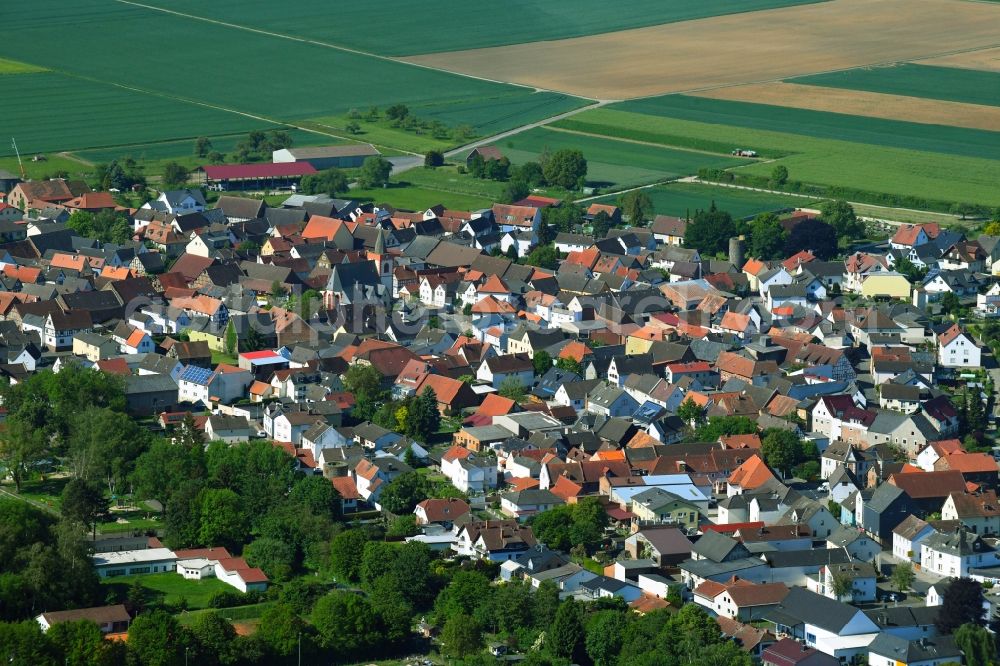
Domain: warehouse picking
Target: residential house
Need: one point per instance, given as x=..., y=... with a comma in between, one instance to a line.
x=831, y=627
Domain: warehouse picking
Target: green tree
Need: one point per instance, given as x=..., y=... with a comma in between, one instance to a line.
x=156, y=638
x=461, y=636
x=280, y=630
x=690, y=412
x=465, y=594
x=422, y=416
x=175, y=174
x=709, y=231
x=433, y=158
x=345, y=622
x=346, y=552
x=977, y=645
x=636, y=206
x=781, y=449
x=767, y=239
x=275, y=557
x=83, y=502
x=402, y=494
x=374, y=172
x=365, y=383
x=81, y=642
x=202, y=146
x=569, y=364
x=840, y=215
x=107, y=226
x=779, y=176
x=397, y=112
x=514, y=190
x=330, y=181
x=512, y=388
x=497, y=169
x=317, y=495
x=903, y=576
x=543, y=256
x=542, y=362
x=21, y=447
x=565, y=168
x=24, y=644
x=222, y=520
x=841, y=585
x=232, y=340
x=600, y=225
x=215, y=640
x=816, y=236
x=604, y=633
x=353, y=127
x=546, y=604
x=566, y=635
x=950, y=304
x=962, y=603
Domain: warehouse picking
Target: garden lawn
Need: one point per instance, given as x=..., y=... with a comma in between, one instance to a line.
x=236, y=613
x=817, y=160
x=612, y=163
x=47, y=491
x=945, y=83
x=683, y=199
x=172, y=587
x=381, y=134
x=395, y=27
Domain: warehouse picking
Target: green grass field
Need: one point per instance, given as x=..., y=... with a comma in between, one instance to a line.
x=414, y=197
x=234, y=614
x=270, y=78
x=945, y=83
x=612, y=163
x=822, y=125
x=682, y=199
x=172, y=587
x=817, y=160
x=183, y=151
x=57, y=112
x=407, y=27
x=16, y=67
x=52, y=165
x=381, y=134
x=447, y=179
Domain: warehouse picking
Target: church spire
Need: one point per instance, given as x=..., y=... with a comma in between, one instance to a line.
x=380, y=241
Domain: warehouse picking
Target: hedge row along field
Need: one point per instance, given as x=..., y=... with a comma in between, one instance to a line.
x=610, y=162
x=945, y=83
x=263, y=75
x=681, y=199
x=396, y=27
x=183, y=150
x=822, y=161
x=48, y=112
x=15, y=67
x=822, y=125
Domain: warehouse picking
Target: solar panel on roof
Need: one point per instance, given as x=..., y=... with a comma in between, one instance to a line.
x=196, y=374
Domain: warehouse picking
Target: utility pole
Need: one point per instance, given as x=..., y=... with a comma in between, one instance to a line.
x=18, y=153
x=300, y=648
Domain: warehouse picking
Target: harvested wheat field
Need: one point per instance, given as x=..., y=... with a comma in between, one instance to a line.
x=984, y=59
x=861, y=103
x=742, y=48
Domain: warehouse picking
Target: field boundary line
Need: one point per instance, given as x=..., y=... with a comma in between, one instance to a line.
x=652, y=144
x=694, y=91
x=338, y=47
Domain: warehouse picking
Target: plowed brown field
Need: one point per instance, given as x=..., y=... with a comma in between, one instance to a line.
x=860, y=103
x=741, y=48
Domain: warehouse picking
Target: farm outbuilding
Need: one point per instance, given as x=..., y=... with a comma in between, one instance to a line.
x=326, y=157
x=262, y=176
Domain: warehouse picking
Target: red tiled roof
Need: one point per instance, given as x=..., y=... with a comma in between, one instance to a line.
x=260, y=170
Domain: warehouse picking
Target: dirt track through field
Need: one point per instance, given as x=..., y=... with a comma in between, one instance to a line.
x=861, y=103
x=741, y=48
x=984, y=59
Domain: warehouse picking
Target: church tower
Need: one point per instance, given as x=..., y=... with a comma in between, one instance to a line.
x=383, y=260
